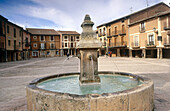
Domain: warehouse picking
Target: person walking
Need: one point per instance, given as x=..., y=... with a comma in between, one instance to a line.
x=67, y=56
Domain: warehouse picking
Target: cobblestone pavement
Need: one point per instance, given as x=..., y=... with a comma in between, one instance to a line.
x=14, y=76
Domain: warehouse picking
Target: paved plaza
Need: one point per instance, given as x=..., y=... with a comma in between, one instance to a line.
x=14, y=76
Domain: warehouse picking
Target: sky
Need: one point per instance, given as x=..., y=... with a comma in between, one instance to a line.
x=68, y=14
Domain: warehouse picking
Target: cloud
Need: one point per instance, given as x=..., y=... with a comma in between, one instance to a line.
x=69, y=14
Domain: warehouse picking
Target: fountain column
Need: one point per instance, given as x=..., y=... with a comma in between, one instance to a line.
x=88, y=46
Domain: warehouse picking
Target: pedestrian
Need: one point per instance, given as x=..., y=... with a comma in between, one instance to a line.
x=106, y=54
x=67, y=56
x=110, y=54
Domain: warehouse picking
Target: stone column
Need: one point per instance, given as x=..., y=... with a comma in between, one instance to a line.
x=159, y=53
x=118, y=52
x=130, y=52
x=14, y=56
x=144, y=53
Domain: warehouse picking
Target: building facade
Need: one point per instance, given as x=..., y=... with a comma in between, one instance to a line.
x=26, y=45
x=141, y=34
x=11, y=41
x=102, y=36
x=44, y=42
x=68, y=42
x=146, y=31
x=3, y=22
x=118, y=37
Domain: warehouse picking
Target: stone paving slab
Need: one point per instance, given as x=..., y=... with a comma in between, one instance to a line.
x=14, y=76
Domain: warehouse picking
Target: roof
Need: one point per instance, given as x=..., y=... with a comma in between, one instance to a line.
x=36, y=31
x=113, y=21
x=156, y=15
x=69, y=32
x=2, y=17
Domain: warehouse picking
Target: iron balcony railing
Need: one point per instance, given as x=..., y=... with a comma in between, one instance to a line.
x=115, y=33
x=142, y=30
x=149, y=43
x=135, y=44
x=167, y=42
x=117, y=44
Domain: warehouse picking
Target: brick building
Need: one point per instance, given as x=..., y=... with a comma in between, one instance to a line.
x=141, y=34
x=11, y=49
x=44, y=42
x=68, y=42
x=26, y=44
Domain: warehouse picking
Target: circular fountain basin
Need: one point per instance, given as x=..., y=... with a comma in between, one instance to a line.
x=118, y=91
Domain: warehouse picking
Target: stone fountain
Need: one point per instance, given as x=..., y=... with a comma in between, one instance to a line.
x=88, y=47
x=117, y=91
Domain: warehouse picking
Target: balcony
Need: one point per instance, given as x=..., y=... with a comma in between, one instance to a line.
x=135, y=45
x=115, y=33
x=166, y=27
x=118, y=44
x=52, y=47
x=150, y=44
x=167, y=42
x=122, y=32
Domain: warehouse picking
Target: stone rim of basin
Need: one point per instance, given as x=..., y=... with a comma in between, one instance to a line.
x=146, y=83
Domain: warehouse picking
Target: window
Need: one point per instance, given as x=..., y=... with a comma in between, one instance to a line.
x=72, y=38
x=142, y=28
x=100, y=32
x=7, y=28
x=65, y=37
x=77, y=37
x=104, y=30
x=34, y=45
x=34, y=37
x=115, y=30
x=151, y=39
x=19, y=44
x=14, y=32
x=52, y=46
x=136, y=41
x=52, y=38
x=104, y=41
x=100, y=39
x=20, y=33
x=109, y=32
x=123, y=28
x=72, y=45
x=34, y=53
x=42, y=45
x=42, y=38
x=9, y=42
x=65, y=44
x=62, y=44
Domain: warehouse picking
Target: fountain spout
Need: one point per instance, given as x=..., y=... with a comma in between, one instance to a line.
x=88, y=46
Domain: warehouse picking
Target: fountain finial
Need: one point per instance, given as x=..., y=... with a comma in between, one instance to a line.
x=87, y=21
